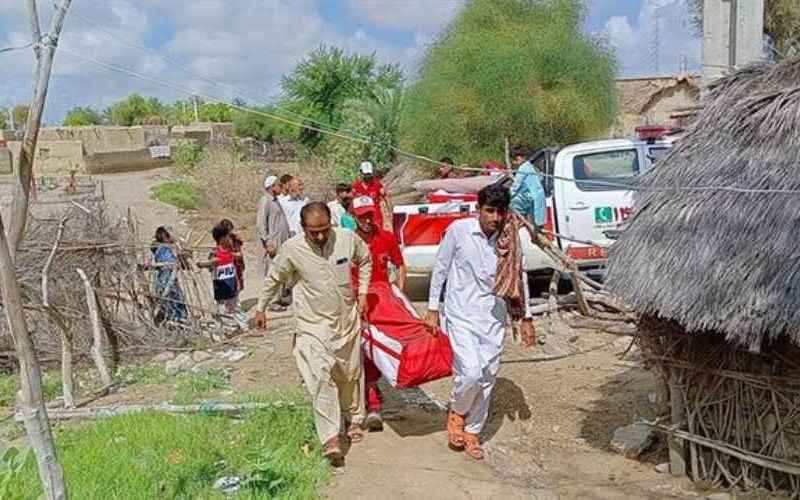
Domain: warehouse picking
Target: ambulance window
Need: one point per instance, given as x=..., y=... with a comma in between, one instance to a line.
x=606, y=171
x=655, y=154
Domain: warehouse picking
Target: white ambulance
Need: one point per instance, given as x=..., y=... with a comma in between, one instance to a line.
x=587, y=200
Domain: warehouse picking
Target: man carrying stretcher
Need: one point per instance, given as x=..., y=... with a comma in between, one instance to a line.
x=383, y=249
x=474, y=259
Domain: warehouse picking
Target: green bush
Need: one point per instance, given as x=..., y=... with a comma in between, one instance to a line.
x=178, y=194
x=187, y=154
x=155, y=455
x=517, y=69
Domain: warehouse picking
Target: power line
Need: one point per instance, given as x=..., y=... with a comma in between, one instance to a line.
x=96, y=25
x=16, y=47
x=409, y=154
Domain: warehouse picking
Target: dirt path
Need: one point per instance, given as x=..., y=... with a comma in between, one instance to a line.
x=549, y=432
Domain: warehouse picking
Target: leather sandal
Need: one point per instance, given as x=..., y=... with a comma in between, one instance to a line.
x=455, y=430
x=332, y=451
x=354, y=433
x=472, y=446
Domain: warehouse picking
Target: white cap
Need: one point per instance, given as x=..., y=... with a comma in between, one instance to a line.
x=270, y=181
x=366, y=168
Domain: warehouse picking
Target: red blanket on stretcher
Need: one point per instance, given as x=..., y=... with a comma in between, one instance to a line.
x=398, y=342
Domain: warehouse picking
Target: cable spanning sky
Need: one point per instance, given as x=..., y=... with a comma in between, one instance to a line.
x=250, y=44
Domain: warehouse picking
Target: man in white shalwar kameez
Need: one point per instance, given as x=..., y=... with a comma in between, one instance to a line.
x=474, y=318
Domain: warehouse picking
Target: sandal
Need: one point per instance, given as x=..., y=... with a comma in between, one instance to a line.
x=332, y=451
x=472, y=446
x=455, y=430
x=354, y=433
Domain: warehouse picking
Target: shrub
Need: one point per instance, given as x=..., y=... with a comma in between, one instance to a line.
x=516, y=69
x=187, y=154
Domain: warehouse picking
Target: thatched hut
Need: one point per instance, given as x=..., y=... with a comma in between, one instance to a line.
x=711, y=263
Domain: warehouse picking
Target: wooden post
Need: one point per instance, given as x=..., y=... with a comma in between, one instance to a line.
x=30, y=400
x=45, y=48
x=677, y=458
x=97, y=330
x=67, y=377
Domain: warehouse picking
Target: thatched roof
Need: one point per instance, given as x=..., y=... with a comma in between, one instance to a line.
x=722, y=261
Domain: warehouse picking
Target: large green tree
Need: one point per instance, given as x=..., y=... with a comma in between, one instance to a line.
x=137, y=110
x=324, y=81
x=3, y=121
x=781, y=24
x=80, y=116
x=517, y=69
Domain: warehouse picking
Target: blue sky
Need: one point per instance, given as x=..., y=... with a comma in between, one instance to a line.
x=249, y=47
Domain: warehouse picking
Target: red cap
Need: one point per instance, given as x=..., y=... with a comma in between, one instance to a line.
x=363, y=205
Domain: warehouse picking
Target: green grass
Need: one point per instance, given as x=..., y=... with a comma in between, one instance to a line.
x=143, y=374
x=151, y=455
x=178, y=194
x=192, y=386
x=9, y=385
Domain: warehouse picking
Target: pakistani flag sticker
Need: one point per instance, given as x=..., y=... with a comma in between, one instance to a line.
x=603, y=215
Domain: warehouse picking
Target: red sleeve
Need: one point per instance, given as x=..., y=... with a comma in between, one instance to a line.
x=395, y=255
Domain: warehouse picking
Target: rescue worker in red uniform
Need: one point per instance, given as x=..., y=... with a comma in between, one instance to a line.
x=383, y=249
x=371, y=186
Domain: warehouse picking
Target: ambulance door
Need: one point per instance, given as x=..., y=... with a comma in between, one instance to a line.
x=592, y=195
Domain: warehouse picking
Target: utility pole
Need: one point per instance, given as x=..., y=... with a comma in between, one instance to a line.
x=30, y=401
x=196, y=112
x=733, y=35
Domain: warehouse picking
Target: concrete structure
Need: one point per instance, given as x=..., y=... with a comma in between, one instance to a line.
x=94, y=150
x=654, y=100
x=733, y=35
x=203, y=132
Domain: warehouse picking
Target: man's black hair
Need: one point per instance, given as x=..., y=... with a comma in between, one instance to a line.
x=343, y=187
x=285, y=179
x=218, y=232
x=520, y=150
x=494, y=196
x=447, y=160
x=314, y=207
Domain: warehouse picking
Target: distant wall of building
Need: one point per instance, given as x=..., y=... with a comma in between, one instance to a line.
x=203, y=132
x=53, y=157
x=654, y=100
x=95, y=150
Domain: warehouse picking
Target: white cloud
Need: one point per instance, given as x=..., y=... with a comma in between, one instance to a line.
x=660, y=40
x=248, y=48
x=412, y=15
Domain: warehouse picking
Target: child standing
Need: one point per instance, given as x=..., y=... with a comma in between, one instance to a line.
x=222, y=264
x=237, y=245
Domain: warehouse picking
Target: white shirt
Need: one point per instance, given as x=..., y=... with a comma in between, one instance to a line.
x=467, y=260
x=291, y=207
x=337, y=210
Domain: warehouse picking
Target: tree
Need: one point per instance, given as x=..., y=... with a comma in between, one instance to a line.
x=376, y=118
x=20, y=112
x=3, y=121
x=30, y=398
x=264, y=128
x=781, y=24
x=327, y=78
x=517, y=69
x=137, y=110
x=80, y=117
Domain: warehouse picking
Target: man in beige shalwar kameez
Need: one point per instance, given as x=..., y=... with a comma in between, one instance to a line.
x=327, y=343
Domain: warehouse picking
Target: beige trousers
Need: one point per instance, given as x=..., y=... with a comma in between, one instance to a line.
x=336, y=386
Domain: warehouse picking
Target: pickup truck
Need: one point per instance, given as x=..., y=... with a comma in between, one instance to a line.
x=587, y=200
